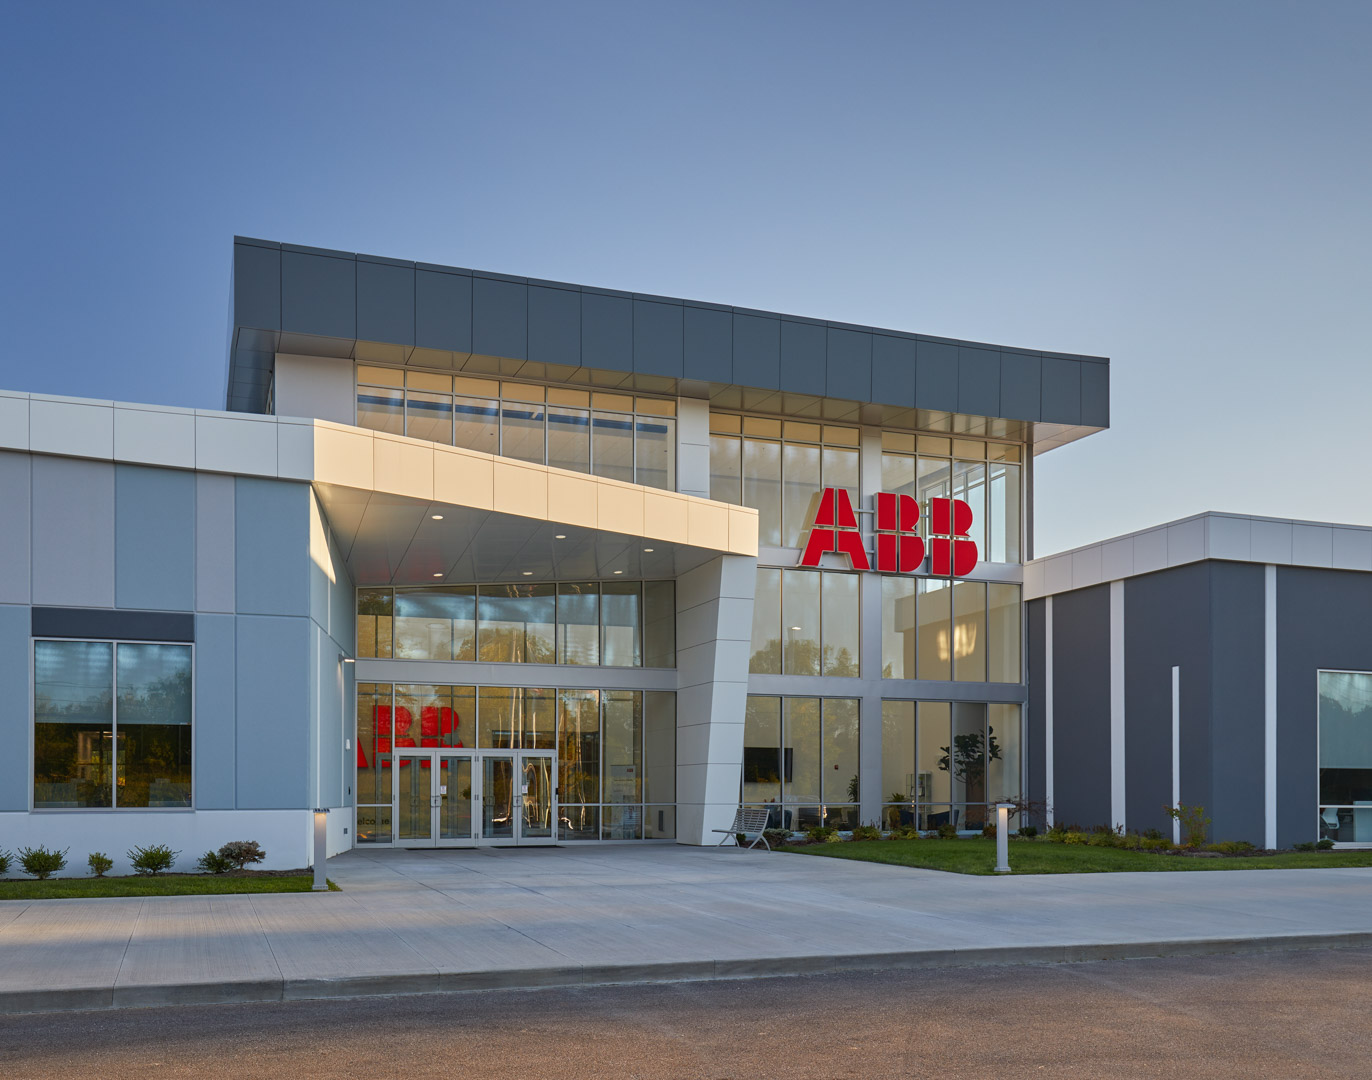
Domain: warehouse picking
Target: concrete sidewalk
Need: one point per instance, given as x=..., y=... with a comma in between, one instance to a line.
x=418, y=922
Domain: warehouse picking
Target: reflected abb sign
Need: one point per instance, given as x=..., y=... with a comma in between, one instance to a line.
x=900, y=549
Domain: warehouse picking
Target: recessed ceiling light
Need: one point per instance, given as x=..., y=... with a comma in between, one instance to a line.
x=619, y=571
x=437, y=517
x=528, y=573
x=439, y=574
x=795, y=628
x=560, y=536
x=647, y=551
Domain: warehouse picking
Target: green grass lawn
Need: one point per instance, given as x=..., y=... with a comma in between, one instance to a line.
x=977, y=855
x=68, y=888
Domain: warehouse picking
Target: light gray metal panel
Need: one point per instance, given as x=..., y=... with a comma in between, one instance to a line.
x=272, y=704
x=849, y=365
x=16, y=524
x=607, y=332
x=154, y=538
x=757, y=351
x=342, y=602
x=73, y=532
x=978, y=382
x=215, y=714
x=443, y=311
x=658, y=338
x=16, y=721
x=554, y=326
x=936, y=376
x=709, y=353
x=214, y=536
x=500, y=318
x=1095, y=394
x=1020, y=386
x=271, y=547
x=802, y=357
x=329, y=738
x=1061, y=391
x=385, y=302
x=893, y=370
x=257, y=287
x=318, y=295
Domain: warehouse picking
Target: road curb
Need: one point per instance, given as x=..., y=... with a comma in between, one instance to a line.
x=15, y=1002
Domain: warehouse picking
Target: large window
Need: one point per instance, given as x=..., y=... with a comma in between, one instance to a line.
x=935, y=628
x=616, y=435
x=610, y=623
x=616, y=749
x=805, y=622
x=800, y=760
x=945, y=762
x=112, y=725
x=780, y=467
x=1345, y=719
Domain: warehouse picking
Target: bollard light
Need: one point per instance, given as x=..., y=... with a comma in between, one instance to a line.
x=1003, y=837
x=321, y=848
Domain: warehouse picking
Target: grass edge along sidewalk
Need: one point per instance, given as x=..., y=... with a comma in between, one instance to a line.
x=977, y=855
x=157, y=885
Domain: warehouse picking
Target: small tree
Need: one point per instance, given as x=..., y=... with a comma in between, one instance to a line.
x=1193, y=823
x=242, y=852
x=39, y=862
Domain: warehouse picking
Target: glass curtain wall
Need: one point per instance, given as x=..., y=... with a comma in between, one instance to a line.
x=806, y=622
x=611, y=623
x=944, y=763
x=1345, y=763
x=965, y=631
x=800, y=760
x=620, y=436
x=616, y=749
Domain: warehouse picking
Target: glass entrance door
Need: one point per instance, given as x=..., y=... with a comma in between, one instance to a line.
x=433, y=797
x=518, y=799
x=457, y=798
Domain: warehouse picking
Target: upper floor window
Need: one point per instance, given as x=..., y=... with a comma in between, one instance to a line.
x=619, y=436
x=111, y=725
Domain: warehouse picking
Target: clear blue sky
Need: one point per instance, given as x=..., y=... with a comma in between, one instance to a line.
x=1181, y=186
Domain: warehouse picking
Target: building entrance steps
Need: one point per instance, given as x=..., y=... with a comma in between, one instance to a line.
x=453, y=920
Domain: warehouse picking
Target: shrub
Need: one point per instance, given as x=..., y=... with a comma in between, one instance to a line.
x=1309, y=845
x=154, y=859
x=39, y=862
x=5, y=858
x=1193, y=823
x=100, y=864
x=988, y=830
x=1324, y=844
x=866, y=832
x=947, y=831
x=820, y=833
x=1152, y=834
x=1028, y=832
x=904, y=832
x=1071, y=837
x=242, y=852
x=213, y=863
x=1230, y=847
x=1155, y=843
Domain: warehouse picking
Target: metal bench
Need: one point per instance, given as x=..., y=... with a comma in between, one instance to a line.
x=748, y=824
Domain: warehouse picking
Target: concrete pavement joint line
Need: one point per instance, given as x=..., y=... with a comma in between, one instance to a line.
x=266, y=990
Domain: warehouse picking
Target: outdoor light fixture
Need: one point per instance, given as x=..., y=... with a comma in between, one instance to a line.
x=1003, y=837
x=321, y=848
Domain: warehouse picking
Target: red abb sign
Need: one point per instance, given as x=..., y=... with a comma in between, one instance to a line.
x=900, y=548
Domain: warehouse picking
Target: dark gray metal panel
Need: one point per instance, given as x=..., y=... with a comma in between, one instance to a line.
x=215, y=726
x=385, y=302
x=1061, y=398
x=1237, y=798
x=1322, y=622
x=658, y=338
x=709, y=352
x=607, y=332
x=893, y=370
x=443, y=311
x=1166, y=624
x=554, y=326
x=978, y=382
x=1081, y=706
x=128, y=625
x=257, y=287
x=936, y=376
x=318, y=295
x=1021, y=389
x=802, y=357
x=1095, y=394
x=500, y=318
x=849, y=370
x=1035, y=727
x=757, y=351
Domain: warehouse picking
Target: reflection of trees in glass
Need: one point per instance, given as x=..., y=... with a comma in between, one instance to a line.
x=803, y=657
x=967, y=761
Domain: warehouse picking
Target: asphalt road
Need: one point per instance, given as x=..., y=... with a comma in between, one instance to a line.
x=1298, y=1014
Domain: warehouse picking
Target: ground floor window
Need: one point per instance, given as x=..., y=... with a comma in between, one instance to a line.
x=111, y=725
x=1345, y=722
x=615, y=750
x=944, y=763
x=800, y=760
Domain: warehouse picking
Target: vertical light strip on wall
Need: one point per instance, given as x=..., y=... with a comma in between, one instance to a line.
x=1048, y=708
x=1176, y=750
x=1269, y=679
x=1117, y=806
